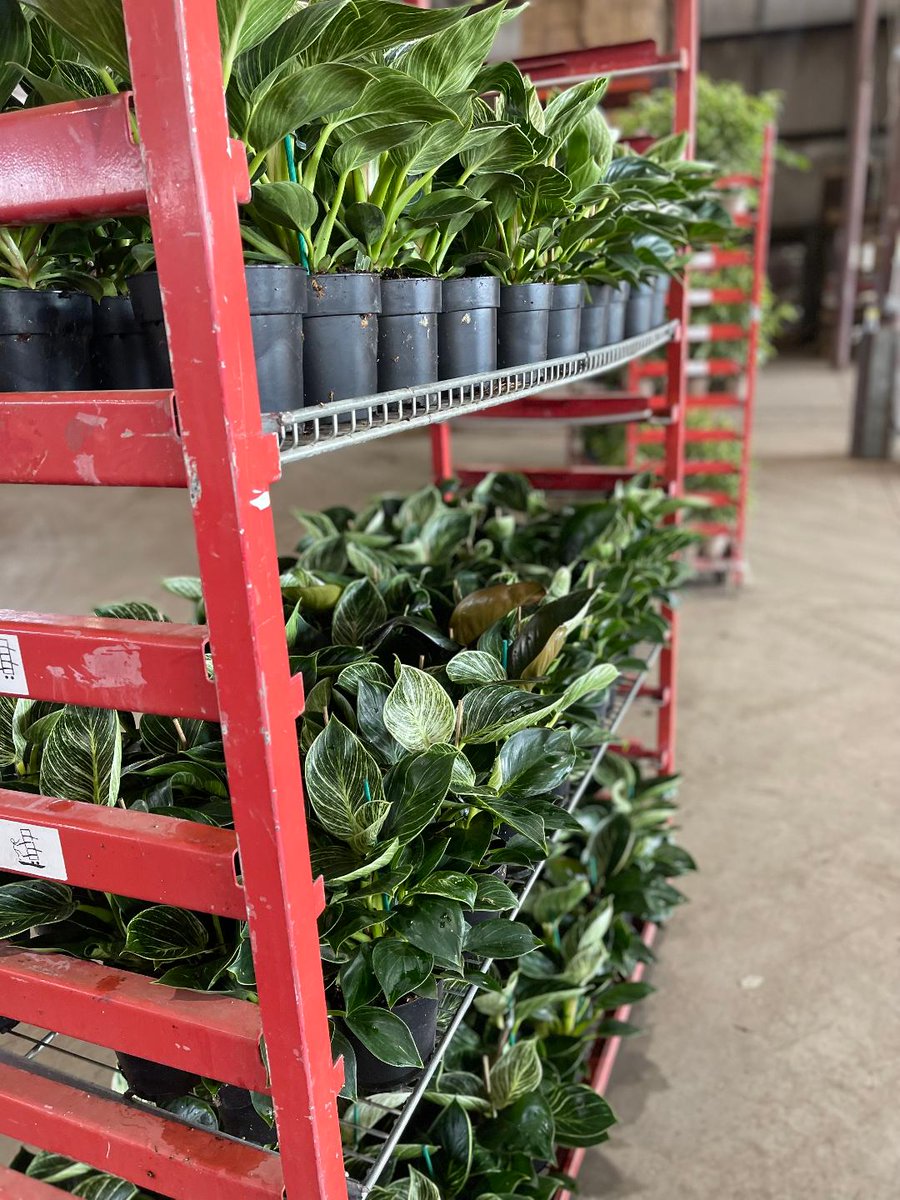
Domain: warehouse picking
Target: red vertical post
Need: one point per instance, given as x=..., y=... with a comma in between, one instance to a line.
x=687, y=43
x=441, y=453
x=192, y=194
x=760, y=261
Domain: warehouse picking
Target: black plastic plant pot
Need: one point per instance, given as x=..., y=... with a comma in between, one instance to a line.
x=662, y=285
x=564, y=331
x=639, y=309
x=467, y=327
x=119, y=351
x=341, y=337
x=523, y=326
x=238, y=1117
x=595, y=317
x=278, y=300
x=45, y=341
x=618, y=302
x=408, y=333
x=155, y=1081
x=372, y=1075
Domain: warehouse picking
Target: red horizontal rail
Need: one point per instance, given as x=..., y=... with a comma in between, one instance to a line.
x=712, y=528
x=124, y=439
x=712, y=468
x=718, y=333
x=568, y=408
x=698, y=368
x=15, y=1186
x=214, y=1036
x=550, y=70
x=701, y=297
x=715, y=260
x=101, y=662
x=716, y=400
x=147, y=856
x=567, y=479
x=745, y=220
x=738, y=180
x=715, y=499
x=68, y=161
x=654, y=437
x=152, y=1150
x=604, y=1063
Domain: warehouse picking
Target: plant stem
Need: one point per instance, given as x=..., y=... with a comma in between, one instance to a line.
x=326, y=229
x=312, y=166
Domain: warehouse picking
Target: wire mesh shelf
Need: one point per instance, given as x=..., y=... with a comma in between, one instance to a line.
x=383, y=1124
x=372, y=1128
x=306, y=432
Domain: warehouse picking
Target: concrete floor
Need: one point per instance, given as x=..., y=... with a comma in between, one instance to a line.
x=771, y=1058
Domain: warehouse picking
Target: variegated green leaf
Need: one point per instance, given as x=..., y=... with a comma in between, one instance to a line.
x=106, y=1187
x=359, y=611
x=418, y=712
x=448, y=61
x=472, y=668
x=7, y=742
x=302, y=96
x=165, y=934
x=82, y=757
x=96, y=27
x=28, y=902
x=515, y=1074
x=15, y=47
x=344, y=786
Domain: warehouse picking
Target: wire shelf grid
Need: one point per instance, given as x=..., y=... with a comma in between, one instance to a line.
x=307, y=432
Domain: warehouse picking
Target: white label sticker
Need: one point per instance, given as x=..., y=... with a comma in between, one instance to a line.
x=12, y=670
x=32, y=849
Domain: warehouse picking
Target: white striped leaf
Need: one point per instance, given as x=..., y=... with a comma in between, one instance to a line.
x=475, y=667
x=96, y=27
x=449, y=61
x=29, y=902
x=165, y=934
x=7, y=744
x=418, y=712
x=243, y=24
x=515, y=1074
x=359, y=611
x=106, y=1187
x=344, y=786
x=82, y=757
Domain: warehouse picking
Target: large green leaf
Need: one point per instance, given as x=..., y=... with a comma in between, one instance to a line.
x=418, y=712
x=359, y=611
x=106, y=1187
x=15, y=47
x=479, y=610
x=516, y=1073
x=498, y=710
x=421, y=1187
x=568, y=612
x=384, y=1035
x=243, y=24
x=565, y=112
x=499, y=938
x=581, y=1116
x=96, y=27
x=448, y=61
x=371, y=699
x=433, y=924
x=453, y=1133
x=344, y=786
x=297, y=35
x=7, y=742
x=548, y=906
x=472, y=668
x=415, y=788
x=165, y=934
x=290, y=205
x=29, y=902
x=82, y=757
x=533, y=762
x=300, y=97
x=365, y=147
x=379, y=25
x=400, y=968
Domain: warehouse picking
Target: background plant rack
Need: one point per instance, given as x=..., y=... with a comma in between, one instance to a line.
x=307, y=432
x=729, y=563
x=456, y=1004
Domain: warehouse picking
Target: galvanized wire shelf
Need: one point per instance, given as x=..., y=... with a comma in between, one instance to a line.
x=306, y=432
x=378, y=1125
x=384, y=1130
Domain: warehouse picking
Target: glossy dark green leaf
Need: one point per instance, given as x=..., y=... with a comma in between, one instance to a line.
x=534, y=762
x=537, y=631
x=580, y=1116
x=341, y=1047
x=384, y=1035
x=358, y=983
x=29, y=902
x=499, y=710
x=415, y=788
x=494, y=895
x=500, y=939
x=453, y=1133
x=479, y=610
x=371, y=698
x=165, y=934
x=400, y=968
x=289, y=205
x=435, y=925
x=451, y=884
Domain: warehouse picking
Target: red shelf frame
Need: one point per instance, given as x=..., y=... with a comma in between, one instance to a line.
x=742, y=398
x=80, y=160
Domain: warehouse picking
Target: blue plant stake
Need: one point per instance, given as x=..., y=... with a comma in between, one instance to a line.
x=504, y=655
x=294, y=178
x=426, y=1154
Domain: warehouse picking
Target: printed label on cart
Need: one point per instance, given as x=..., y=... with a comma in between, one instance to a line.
x=700, y=296
x=31, y=849
x=700, y=333
x=12, y=669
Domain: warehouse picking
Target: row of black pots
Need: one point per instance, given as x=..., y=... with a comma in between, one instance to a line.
x=323, y=338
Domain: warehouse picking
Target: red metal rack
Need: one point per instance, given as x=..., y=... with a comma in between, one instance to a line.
x=740, y=397
x=80, y=160
x=206, y=436
x=633, y=67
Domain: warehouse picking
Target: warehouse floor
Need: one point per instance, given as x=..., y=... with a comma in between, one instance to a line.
x=770, y=1064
